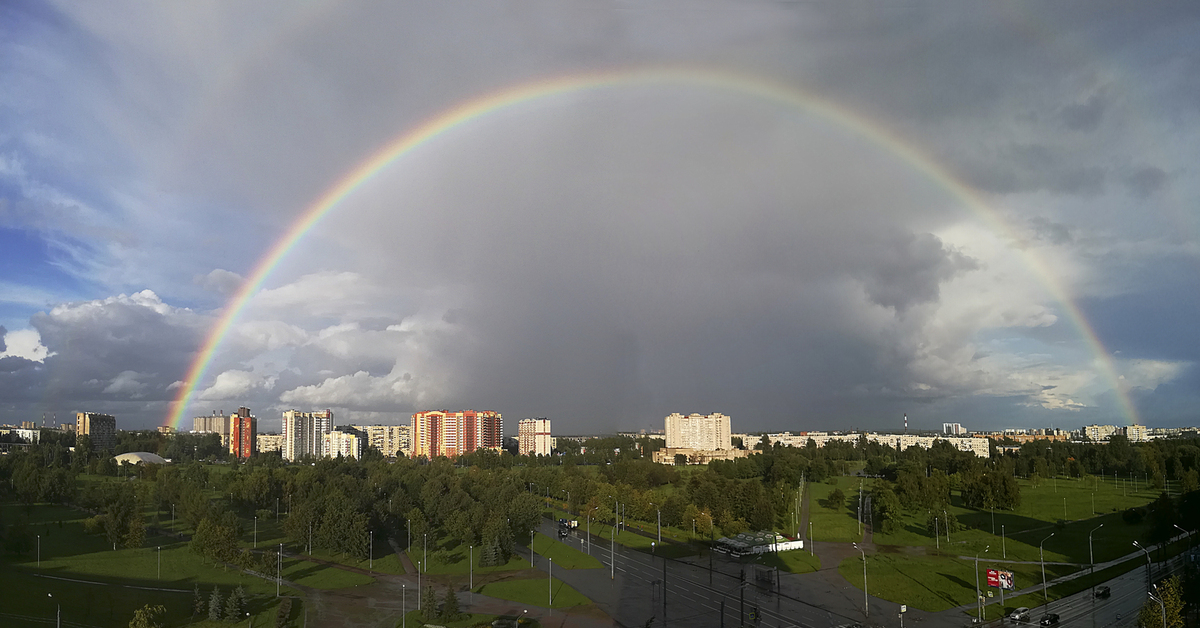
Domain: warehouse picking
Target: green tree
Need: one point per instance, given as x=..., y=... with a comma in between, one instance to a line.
x=147, y=617
x=450, y=605
x=1171, y=594
x=429, y=604
x=197, y=601
x=835, y=500
x=214, y=605
x=888, y=511
x=236, y=604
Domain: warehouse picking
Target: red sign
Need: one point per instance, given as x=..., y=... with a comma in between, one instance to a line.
x=993, y=578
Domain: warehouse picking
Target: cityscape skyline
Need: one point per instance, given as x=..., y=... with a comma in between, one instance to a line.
x=794, y=214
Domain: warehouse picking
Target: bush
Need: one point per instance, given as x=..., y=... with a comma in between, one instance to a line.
x=285, y=609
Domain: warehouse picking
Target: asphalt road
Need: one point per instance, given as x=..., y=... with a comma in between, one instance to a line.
x=631, y=591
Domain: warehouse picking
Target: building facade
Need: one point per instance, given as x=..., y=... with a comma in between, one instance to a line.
x=697, y=431
x=269, y=442
x=444, y=433
x=304, y=433
x=1136, y=433
x=1099, y=433
x=243, y=429
x=953, y=429
x=345, y=441
x=393, y=441
x=215, y=423
x=101, y=428
x=533, y=437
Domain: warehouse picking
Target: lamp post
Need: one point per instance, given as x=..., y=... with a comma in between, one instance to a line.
x=403, y=606
x=947, y=520
x=1188, y=533
x=1091, y=556
x=1161, y=607
x=1003, y=544
x=371, y=550
x=1042, y=558
x=278, y=569
x=550, y=584
x=589, y=529
x=612, y=555
x=58, y=612
x=866, y=607
x=1135, y=544
x=418, y=585
x=425, y=556
x=659, y=511
x=255, y=531
x=160, y=562
x=978, y=595
x=937, y=535
x=471, y=569
x=39, y=550
x=531, y=559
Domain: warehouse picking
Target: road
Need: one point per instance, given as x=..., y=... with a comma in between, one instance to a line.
x=631, y=591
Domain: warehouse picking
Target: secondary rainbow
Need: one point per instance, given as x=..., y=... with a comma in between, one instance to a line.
x=479, y=108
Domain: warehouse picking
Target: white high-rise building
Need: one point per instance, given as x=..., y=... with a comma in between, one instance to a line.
x=392, y=441
x=533, y=437
x=953, y=429
x=698, y=431
x=345, y=441
x=304, y=433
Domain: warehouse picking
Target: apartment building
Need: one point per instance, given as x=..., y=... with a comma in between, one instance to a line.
x=304, y=433
x=703, y=432
x=533, y=437
x=393, y=441
x=101, y=428
x=445, y=433
x=243, y=430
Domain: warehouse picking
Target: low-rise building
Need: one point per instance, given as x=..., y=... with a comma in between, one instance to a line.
x=666, y=455
x=270, y=442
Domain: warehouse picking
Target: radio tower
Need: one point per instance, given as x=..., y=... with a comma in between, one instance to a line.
x=906, y=424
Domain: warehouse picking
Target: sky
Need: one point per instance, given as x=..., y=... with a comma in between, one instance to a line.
x=802, y=215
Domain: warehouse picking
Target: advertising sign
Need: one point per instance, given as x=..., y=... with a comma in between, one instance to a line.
x=1006, y=580
x=993, y=578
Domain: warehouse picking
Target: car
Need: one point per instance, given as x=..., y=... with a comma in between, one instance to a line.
x=1019, y=615
x=1103, y=592
x=1049, y=619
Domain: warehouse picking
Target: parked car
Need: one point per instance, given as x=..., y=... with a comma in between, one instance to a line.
x=1103, y=592
x=1049, y=619
x=1019, y=615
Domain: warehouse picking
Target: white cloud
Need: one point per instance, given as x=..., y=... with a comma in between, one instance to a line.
x=126, y=383
x=234, y=385
x=24, y=343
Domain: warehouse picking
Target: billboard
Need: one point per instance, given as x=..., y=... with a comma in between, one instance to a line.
x=1000, y=579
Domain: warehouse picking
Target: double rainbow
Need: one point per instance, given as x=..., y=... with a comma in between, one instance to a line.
x=480, y=108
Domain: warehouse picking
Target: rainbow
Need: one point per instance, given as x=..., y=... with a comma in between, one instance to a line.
x=480, y=108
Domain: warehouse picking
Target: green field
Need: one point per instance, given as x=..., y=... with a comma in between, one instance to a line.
x=1018, y=532
x=626, y=538
x=562, y=554
x=792, y=561
x=933, y=583
x=835, y=525
x=452, y=559
x=535, y=592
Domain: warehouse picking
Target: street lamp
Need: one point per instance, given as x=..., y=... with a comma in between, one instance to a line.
x=403, y=606
x=978, y=593
x=659, y=511
x=425, y=556
x=947, y=520
x=471, y=569
x=39, y=550
x=371, y=550
x=418, y=585
x=1161, y=607
x=550, y=584
x=58, y=613
x=1092, y=557
x=160, y=562
x=1003, y=543
x=866, y=607
x=1188, y=533
x=1135, y=544
x=531, y=559
x=589, y=529
x=1042, y=558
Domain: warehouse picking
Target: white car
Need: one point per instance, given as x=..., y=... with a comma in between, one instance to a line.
x=1019, y=615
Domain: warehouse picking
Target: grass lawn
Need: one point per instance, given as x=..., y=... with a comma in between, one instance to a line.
x=933, y=583
x=66, y=551
x=452, y=558
x=562, y=554
x=793, y=561
x=535, y=592
x=24, y=598
x=838, y=525
x=1019, y=532
x=629, y=539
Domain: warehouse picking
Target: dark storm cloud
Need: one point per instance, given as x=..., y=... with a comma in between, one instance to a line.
x=1084, y=116
x=910, y=268
x=1050, y=231
x=1145, y=181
